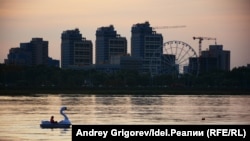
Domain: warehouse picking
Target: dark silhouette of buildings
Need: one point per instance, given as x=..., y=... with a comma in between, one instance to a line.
x=146, y=52
x=111, y=53
x=213, y=59
x=220, y=59
x=32, y=53
x=19, y=56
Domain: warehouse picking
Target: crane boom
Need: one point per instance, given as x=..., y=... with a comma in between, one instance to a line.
x=201, y=39
x=162, y=27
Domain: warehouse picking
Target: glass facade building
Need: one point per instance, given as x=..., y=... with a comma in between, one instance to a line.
x=147, y=45
x=75, y=50
x=109, y=45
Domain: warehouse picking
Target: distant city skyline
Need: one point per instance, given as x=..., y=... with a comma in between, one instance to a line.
x=226, y=20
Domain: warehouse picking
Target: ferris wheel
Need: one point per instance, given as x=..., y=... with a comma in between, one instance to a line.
x=176, y=57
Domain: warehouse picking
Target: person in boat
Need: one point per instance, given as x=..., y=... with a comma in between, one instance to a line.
x=52, y=119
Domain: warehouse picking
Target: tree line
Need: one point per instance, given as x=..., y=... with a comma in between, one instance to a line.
x=57, y=78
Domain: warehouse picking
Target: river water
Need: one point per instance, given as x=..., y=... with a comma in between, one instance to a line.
x=20, y=116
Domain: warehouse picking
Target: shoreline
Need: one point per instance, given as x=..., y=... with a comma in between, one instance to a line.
x=126, y=91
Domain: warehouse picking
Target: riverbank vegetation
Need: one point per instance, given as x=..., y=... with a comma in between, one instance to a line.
x=42, y=79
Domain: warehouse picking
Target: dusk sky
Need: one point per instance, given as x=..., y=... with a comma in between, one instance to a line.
x=226, y=20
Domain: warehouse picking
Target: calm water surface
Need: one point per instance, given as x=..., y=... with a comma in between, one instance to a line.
x=20, y=116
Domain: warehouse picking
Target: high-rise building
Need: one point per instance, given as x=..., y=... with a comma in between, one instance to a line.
x=39, y=49
x=32, y=53
x=83, y=53
x=75, y=50
x=218, y=58
x=117, y=46
x=109, y=45
x=147, y=44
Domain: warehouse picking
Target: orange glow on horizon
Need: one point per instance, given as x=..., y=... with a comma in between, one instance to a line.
x=227, y=20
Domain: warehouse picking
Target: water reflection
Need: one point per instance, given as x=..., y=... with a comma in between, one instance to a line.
x=20, y=116
x=146, y=100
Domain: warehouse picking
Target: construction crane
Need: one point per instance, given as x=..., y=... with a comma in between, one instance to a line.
x=166, y=27
x=201, y=39
x=162, y=27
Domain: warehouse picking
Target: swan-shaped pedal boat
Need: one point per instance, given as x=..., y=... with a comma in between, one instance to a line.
x=61, y=124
